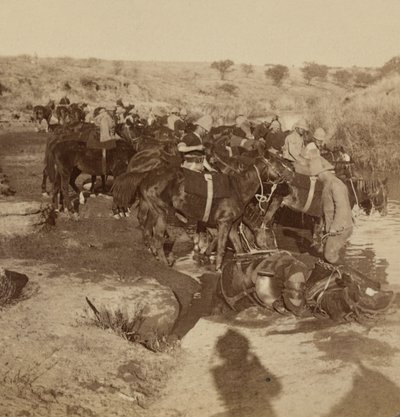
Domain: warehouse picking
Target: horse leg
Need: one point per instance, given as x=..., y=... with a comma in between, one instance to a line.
x=234, y=237
x=93, y=183
x=159, y=230
x=74, y=175
x=223, y=232
x=317, y=228
x=275, y=203
x=44, y=182
x=65, y=177
x=103, y=183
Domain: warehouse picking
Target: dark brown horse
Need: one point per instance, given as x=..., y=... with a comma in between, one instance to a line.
x=67, y=159
x=44, y=112
x=164, y=190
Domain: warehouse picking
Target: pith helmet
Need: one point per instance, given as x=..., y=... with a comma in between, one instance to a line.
x=205, y=122
x=320, y=134
x=175, y=110
x=275, y=123
x=183, y=112
x=240, y=120
x=301, y=124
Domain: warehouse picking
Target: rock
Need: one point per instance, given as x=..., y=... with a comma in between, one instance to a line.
x=5, y=188
x=96, y=207
x=11, y=284
x=23, y=217
x=145, y=308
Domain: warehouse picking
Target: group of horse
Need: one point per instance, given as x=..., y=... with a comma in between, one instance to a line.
x=146, y=168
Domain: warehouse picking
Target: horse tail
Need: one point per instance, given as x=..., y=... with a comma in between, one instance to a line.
x=49, y=162
x=124, y=189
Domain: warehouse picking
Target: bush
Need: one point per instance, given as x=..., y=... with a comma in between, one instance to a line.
x=118, y=66
x=93, y=62
x=392, y=66
x=228, y=88
x=66, y=86
x=313, y=70
x=223, y=67
x=277, y=73
x=4, y=89
x=342, y=77
x=88, y=83
x=247, y=69
x=363, y=78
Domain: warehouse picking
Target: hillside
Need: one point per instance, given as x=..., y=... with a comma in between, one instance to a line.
x=27, y=81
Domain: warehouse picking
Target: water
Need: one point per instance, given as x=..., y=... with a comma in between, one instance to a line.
x=374, y=246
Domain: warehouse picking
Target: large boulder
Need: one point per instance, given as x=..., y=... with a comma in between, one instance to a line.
x=23, y=217
x=11, y=285
x=143, y=311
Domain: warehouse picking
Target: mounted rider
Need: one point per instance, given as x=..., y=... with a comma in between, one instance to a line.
x=192, y=148
x=65, y=101
x=105, y=122
x=176, y=121
x=295, y=142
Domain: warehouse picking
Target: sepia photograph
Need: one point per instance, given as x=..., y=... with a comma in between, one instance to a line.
x=199, y=208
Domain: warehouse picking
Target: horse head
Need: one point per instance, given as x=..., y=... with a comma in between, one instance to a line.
x=274, y=169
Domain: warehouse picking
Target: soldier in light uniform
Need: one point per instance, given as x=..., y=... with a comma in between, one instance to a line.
x=192, y=148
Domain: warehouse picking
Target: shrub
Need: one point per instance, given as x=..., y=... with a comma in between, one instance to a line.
x=66, y=86
x=118, y=66
x=4, y=89
x=392, y=66
x=223, y=67
x=247, y=69
x=88, y=83
x=363, y=78
x=93, y=62
x=228, y=88
x=342, y=77
x=313, y=70
x=277, y=73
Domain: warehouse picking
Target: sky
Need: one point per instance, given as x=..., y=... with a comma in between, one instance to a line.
x=289, y=32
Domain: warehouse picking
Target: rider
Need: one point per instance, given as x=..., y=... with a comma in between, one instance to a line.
x=192, y=148
x=294, y=143
x=119, y=111
x=106, y=124
x=65, y=101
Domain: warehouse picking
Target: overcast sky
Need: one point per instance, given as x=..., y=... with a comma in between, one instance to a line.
x=331, y=32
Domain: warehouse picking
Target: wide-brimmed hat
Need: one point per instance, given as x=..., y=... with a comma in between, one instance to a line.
x=205, y=122
x=301, y=124
x=311, y=162
x=320, y=134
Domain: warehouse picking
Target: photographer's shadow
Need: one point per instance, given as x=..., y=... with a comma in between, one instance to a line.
x=245, y=386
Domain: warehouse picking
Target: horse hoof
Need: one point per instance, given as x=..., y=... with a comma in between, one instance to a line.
x=116, y=216
x=45, y=194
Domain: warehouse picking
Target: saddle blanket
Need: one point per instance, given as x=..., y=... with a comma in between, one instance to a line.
x=196, y=183
x=203, y=189
x=307, y=197
x=93, y=141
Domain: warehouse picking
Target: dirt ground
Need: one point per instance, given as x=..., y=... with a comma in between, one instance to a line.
x=55, y=362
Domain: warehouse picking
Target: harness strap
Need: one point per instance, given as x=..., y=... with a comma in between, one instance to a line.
x=210, y=193
x=310, y=196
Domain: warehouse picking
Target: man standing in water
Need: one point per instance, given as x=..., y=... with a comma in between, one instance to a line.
x=335, y=207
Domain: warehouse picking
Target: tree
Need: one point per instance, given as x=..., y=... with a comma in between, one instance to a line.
x=342, y=77
x=393, y=65
x=312, y=70
x=223, y=67
x=277, y=73
x=247, y=69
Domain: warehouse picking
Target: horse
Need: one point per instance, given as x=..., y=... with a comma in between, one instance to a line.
x=68, y=157
x=44, y=112
x=164, y=190
x=63, y=114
